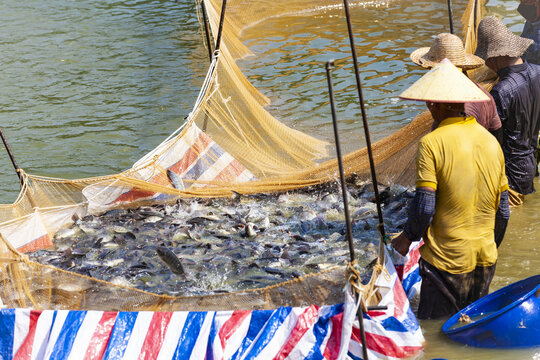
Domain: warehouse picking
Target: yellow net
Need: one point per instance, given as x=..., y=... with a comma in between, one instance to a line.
x=228, y=143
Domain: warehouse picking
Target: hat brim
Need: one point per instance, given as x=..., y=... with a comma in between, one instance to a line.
x=445, y=83
x=471, y=61
x=444, y=101
x=512, y=49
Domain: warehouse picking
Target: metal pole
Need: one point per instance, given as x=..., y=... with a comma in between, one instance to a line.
x=221, y=21
x=10, y=155
x=359, y=312
x=206, y=30
x=475, y=9
x=450, y=16
x=349, y=236
x=218, y=43
x=364, y=120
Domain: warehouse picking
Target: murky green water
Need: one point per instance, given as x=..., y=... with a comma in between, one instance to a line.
x=88, y=87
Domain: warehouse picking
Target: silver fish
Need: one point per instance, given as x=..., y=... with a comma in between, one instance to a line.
x=176, y=181
x=249, y=230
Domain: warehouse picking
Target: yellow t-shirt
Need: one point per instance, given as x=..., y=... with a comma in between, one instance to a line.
x=465, y=164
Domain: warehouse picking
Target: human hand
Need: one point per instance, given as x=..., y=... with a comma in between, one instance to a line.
x=401, y=244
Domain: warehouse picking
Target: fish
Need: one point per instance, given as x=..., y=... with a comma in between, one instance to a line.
x=153, y=219
x=171, y=260
x=249, y=230
x=65, y=233
x=226, y=245
x=236, y=195
x=175, y=180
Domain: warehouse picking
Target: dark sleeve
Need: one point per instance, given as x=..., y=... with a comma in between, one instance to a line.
x=500, y=105
x=501, y=218
x=421, y=211
x=532, y=32
x=532, y=54
x=498, y=135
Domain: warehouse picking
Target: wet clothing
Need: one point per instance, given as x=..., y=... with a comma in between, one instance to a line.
x=531, y=30
x=464, y=163
x=442, y=294
x=517, y=96
x=422, y=208
x=420, y=213
x=501, y=218
x=484, y=112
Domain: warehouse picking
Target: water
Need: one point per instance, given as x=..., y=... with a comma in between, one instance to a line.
x=88, y=87
x=470, y=320
x=384, y=37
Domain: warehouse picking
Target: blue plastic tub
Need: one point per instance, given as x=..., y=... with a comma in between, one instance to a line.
x=509, y=317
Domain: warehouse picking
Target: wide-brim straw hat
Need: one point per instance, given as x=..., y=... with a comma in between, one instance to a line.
x=495, y=39
x=447, y=46
x=445, y=83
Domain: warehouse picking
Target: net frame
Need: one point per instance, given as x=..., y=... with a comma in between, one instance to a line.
x=30, y=284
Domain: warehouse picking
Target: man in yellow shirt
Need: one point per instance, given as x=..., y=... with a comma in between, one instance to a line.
x=461, y=203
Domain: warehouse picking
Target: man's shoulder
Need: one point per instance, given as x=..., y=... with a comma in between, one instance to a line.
x=534, y=69
x=511, y=82
x=501, y=87
x=430, y=137
x=440, y=135
x=470, y=131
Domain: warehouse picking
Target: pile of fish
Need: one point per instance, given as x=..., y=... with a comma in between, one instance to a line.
x=207, y=246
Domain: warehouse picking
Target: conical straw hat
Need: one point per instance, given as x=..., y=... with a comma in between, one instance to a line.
x=445, y=83
x=446, y=46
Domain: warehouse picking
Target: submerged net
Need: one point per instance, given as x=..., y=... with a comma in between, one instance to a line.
x=228, y=143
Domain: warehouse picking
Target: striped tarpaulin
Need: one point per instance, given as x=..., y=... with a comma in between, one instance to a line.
x=312, y=332
x=411, y=275
x=31, y=232
x=393, y=333
x=285, y=333
x=408, y=270
x=195, y=157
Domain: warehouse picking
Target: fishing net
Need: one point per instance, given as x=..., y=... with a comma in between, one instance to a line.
x=229, y=142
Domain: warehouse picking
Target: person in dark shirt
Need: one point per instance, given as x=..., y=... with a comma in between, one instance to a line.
x=530, y=10
x=450, y=46
x=517, y=96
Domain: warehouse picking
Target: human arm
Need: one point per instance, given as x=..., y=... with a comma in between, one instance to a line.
x=501, y=218
x=420, y=213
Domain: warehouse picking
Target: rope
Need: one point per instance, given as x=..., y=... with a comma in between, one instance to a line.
x=353, y=275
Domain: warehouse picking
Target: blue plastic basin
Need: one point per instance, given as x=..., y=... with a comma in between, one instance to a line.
x=509, y=317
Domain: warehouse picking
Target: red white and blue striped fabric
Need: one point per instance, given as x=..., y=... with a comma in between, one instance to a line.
x=193, y=156
x=393, y=333
x=285, y=333
x=411, y=275
x=327, y=332
x=408, y=270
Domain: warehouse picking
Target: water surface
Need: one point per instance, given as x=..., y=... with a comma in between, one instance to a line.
x=89, y=87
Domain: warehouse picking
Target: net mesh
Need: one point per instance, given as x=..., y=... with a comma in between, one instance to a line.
x=228, y=143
